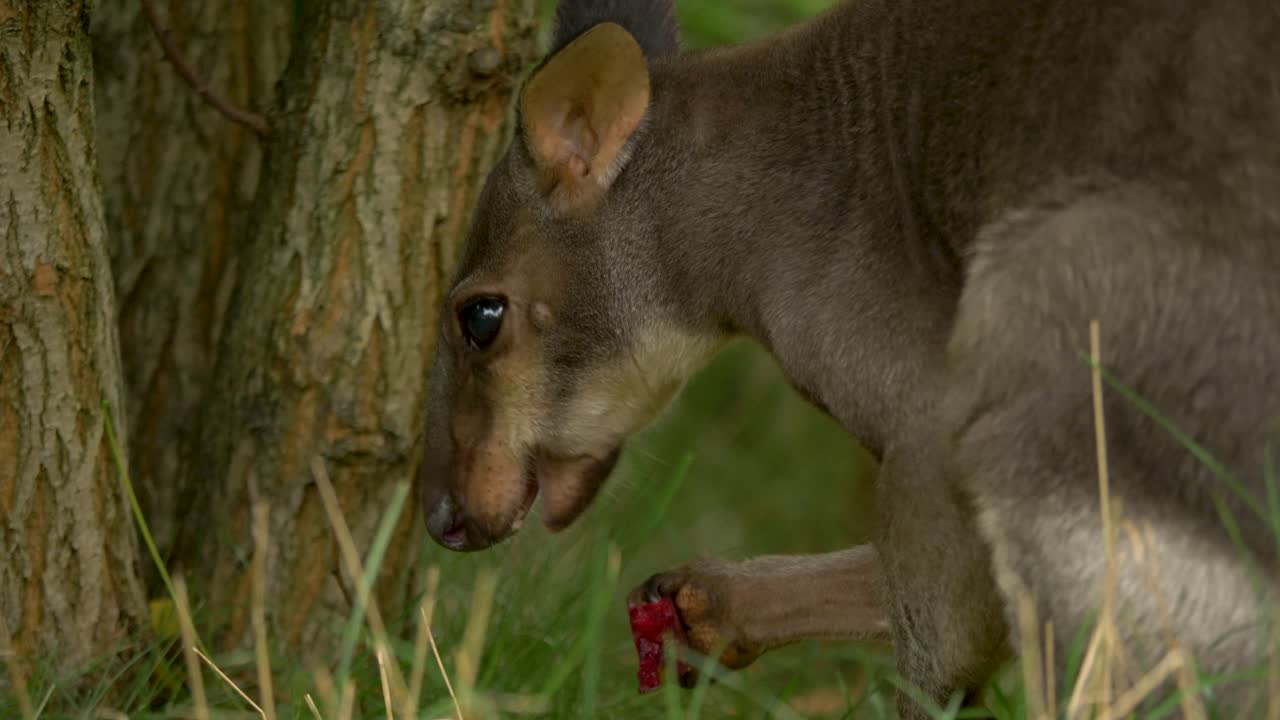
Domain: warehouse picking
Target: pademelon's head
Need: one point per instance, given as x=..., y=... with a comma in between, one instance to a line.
x=552, y=348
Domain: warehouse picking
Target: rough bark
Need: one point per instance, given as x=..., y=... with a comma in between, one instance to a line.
x=68, y=585
x=177, y=181
x=391, y=112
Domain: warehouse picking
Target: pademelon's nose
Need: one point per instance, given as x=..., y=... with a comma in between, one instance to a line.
x=449, y=527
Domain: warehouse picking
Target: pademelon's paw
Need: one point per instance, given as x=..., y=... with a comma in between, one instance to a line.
x=704, y=595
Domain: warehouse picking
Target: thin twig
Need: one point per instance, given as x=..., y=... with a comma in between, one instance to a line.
x=251, y=120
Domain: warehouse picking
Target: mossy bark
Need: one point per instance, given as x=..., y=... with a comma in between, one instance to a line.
x=391, y=112
x=69, y=588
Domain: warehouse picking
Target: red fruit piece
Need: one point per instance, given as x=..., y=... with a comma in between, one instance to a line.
x=650, y=623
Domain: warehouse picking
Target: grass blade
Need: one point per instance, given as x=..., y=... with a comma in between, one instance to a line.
x=364, y=589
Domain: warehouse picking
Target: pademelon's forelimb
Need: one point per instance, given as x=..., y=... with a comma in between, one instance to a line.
x=739, y=610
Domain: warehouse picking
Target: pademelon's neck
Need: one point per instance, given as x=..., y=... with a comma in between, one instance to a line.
x=780, y=174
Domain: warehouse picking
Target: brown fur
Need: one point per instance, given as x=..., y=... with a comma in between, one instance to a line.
x=918, y=207
x=745, y=608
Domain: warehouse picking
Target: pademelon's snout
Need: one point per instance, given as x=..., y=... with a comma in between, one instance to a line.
x=478, y=500
x=487, y=500
x=449, y=524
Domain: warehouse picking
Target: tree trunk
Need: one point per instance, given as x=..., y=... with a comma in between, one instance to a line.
x=68, y=585
x=390, y=115
x=178, y=179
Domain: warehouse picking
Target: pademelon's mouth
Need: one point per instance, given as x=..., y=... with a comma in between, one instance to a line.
x=568, y=486
x=530, y=494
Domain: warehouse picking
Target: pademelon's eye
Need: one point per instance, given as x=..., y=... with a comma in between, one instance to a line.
x=481, y=321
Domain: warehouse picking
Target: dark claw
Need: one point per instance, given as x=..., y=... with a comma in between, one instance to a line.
x=646, y=593
x=652, y=593
x=655, y=588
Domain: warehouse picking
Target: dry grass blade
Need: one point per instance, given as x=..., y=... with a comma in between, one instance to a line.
x=521, y=703
x=348, y=709
x=477, y=625
x=351, y=560
x=183, y=608
x=427, y=611
x=431, y=637
x=1146, y=685
x=1192, y=706
x=311, y=703
x=328, y=692
x=1106, y=620
x=1076, y=705
x=382, y=677
x=262, y=651
x=231, y=683
x=1050, y=671
x=1189, y=683
x=1032, y=665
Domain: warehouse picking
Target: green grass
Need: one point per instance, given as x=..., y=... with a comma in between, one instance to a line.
x=707, y=23
x=738, y=467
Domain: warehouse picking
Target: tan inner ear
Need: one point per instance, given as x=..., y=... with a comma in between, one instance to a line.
x=582, y=107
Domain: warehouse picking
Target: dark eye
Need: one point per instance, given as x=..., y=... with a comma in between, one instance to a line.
x=481, y=321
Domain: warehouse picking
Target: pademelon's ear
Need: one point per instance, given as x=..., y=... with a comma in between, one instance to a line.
x=580, y=109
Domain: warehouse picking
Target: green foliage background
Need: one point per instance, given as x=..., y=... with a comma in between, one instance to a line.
x=706, y=23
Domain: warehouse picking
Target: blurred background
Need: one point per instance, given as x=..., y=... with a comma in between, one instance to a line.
x=707, y=23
